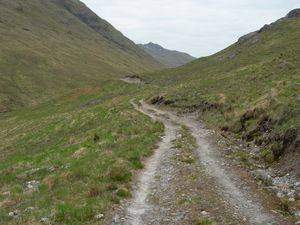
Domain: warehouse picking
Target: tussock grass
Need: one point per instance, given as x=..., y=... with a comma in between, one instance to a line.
x=54, y=143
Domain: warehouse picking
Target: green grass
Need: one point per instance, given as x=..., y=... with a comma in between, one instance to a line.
x=187, y=144
x=81, y=147
x=204, y=222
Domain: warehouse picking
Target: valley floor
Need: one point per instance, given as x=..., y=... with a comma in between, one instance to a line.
x=189, y=181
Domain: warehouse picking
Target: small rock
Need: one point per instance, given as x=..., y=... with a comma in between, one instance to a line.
x=297, y=223
x=29, y=209
x=291, y=199
x=99, y=216
x=44, y=220
x=51, y=169
x=291, y=194
x=7, y=193
x=280, y=195
x=204, y=213
x=15, y=213
x=31, y=185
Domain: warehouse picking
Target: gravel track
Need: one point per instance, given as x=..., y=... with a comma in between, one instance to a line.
x=165, y=194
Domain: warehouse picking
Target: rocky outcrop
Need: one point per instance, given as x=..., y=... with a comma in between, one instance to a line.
x=253, y=37
x=249, y=37
x=294, y=13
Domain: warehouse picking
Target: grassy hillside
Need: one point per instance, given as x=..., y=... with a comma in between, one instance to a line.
x=169, y=58
x=251, y=88
x=48, y=47
x=78, y=152
x=69, y=139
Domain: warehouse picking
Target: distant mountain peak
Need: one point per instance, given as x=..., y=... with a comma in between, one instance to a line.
x=154, y=46
x=169, y=58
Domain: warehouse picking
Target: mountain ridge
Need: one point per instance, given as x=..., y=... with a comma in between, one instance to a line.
x=170, y=58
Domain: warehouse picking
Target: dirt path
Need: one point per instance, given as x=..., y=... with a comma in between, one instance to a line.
x=204, y=189
x=132, y=80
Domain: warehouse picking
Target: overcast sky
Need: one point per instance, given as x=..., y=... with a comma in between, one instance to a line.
x=198, y=27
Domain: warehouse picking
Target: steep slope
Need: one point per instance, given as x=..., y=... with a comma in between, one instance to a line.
x=167, y=57
x=48, y=47
x=251, y=88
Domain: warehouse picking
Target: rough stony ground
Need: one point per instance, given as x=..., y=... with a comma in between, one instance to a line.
x=207, y=190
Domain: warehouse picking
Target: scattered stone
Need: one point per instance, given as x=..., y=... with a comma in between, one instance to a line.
x=29, y=209
x=7, y=193
x=32, y=185
x=204, y=213
x=291, y=194
x=280, y=195
x=15, y=214
x=45, y=220
x=79, y=153
x=99, y=216
x=116, y=220
x=35, y=170
x=51, y=169
x=298, y=222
